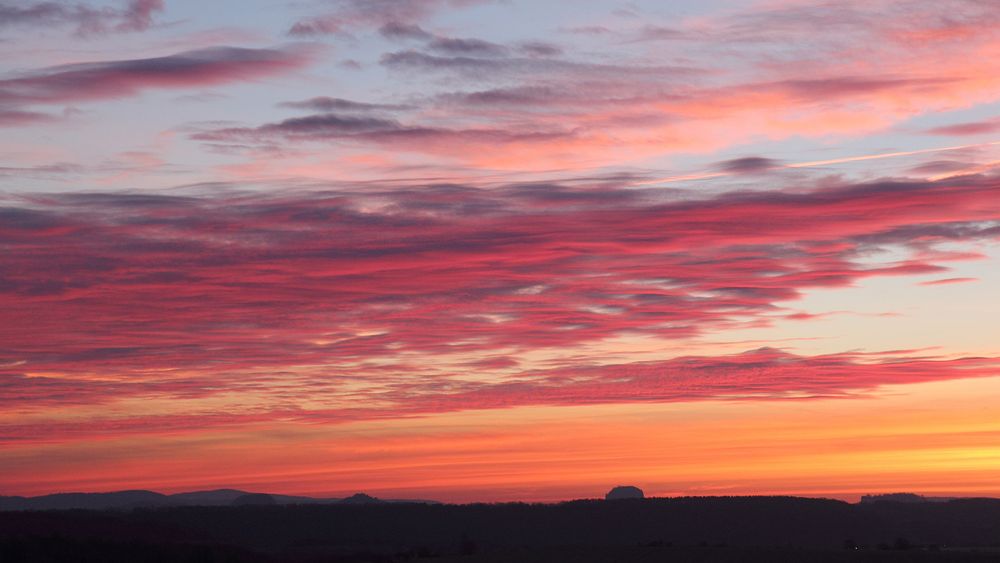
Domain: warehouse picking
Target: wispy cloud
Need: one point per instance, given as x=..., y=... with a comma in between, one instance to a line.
x=134, y=15
x=346, y=16
x=111, y=79
x=971, y=128
x=102, y=80
x=762, y=374
x=117, y=283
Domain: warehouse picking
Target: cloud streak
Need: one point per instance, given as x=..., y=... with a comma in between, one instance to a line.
x=82, y=82
x=350, y=15
x=135, y=15
x=318, y=290
x=762, y=374
x=113, y=79
x=971, y=128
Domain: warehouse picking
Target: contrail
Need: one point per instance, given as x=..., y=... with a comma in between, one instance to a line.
x=814, y=163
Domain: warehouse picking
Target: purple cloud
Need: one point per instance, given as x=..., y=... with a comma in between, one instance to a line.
x=970, y=128
x=136, y=15
x=121, y=78
x=327, y=104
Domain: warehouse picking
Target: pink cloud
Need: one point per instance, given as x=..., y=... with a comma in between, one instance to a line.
x=762, y=374
x=561, y=112
x=444, y=260
x=18, y=118
x=187, y=296
x=971, y=128
x=948, y=281
x=806, y=81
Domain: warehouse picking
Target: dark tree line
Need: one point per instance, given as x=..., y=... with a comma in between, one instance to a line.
x=709, y=529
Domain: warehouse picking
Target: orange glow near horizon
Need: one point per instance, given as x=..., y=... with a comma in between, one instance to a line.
x=934, y=439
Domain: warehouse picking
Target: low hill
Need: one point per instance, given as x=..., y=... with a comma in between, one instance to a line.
x=87, y=501
x=676, y=529
x=148, y=499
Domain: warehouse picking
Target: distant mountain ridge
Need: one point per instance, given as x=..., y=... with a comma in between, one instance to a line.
x=123, y=500
x=151, y=499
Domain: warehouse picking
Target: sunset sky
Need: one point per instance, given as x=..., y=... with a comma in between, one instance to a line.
x=489, y=250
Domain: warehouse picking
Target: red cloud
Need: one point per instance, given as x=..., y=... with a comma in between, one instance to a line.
x=440, y=268
x=762, y=374
x=168, y=295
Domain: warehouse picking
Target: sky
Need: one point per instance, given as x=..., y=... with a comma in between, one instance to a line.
x=499, y=250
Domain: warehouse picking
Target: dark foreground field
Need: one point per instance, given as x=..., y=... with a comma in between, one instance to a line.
x=675, y=530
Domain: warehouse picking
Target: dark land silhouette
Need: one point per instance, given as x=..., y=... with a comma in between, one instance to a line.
x=622, y=492
x=252, y=528
x=149, y=499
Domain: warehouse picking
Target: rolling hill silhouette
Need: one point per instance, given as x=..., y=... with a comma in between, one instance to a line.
x=150, y=499
x=705, y=529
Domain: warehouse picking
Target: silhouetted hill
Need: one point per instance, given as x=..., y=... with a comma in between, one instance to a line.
x=136, y=499
x=678, y=529
x=361, y=498
x=624, y=492
x=89, y=501
x=225, y=497
x=903, y=497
